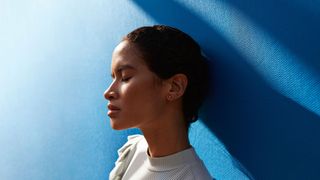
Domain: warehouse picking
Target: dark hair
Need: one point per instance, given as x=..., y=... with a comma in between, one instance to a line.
x=168, y=51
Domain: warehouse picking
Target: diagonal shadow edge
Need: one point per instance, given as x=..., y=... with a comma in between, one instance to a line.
x=189, y=22
x=192, y=21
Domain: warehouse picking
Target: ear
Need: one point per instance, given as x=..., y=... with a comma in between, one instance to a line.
x=178, y=84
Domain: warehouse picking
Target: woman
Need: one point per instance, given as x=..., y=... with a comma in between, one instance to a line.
x=160, y=79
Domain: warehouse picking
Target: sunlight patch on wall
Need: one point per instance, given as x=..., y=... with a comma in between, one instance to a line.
x=222, y=164
x=282, y=69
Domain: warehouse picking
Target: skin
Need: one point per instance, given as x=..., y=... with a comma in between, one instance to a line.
x=139, y=99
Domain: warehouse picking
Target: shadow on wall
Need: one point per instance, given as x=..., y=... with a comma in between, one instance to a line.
x=266, y=102
x=294, y=23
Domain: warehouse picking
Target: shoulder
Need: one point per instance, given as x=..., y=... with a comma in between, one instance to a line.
x=130, y=145
x=200, y=172
x=197, y=168
x=132, y=141
x=192, y=171
x=125, y=153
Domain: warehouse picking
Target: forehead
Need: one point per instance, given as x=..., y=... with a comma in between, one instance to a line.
x=126, y=54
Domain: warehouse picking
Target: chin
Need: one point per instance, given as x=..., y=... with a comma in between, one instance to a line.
x=117, y=126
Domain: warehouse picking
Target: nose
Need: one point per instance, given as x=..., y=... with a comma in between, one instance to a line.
x=110, y=93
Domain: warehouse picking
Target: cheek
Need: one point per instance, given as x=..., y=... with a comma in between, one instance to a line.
x=141, y=97
x=136, y=93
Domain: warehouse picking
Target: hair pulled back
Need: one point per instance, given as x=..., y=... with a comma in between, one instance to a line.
x=168, y=51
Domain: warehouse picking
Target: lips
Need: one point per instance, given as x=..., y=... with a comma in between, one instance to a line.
x=113, y=110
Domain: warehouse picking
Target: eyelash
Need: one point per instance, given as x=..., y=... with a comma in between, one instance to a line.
x=125, y=79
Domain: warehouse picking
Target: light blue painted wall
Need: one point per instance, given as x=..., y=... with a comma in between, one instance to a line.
x=54, y=67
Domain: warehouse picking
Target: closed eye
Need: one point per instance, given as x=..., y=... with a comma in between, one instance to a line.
x=126, y=79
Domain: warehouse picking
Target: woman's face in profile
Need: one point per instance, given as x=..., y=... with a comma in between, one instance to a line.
x=135, y=97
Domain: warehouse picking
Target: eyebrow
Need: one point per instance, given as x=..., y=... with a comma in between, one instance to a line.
x=121, y=68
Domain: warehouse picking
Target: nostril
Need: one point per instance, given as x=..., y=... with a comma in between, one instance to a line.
x=106, y=94
x=109, y=95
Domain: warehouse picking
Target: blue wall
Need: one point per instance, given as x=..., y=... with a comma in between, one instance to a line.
x=55, y=64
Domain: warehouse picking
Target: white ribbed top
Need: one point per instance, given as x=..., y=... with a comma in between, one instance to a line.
x=184, y=165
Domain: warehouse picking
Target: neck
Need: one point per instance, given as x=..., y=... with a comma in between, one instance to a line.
x=168, y=137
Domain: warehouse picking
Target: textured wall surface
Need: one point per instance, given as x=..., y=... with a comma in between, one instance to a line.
x=55, y=65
